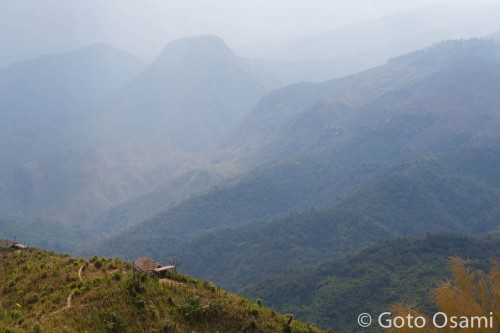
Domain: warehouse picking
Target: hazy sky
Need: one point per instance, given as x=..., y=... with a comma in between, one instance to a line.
x=144, y=27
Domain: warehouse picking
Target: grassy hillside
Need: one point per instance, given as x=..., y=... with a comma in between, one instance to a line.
x=46, y=292
x=403, y=270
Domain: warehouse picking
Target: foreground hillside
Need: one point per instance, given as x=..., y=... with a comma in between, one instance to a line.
x=46, y=292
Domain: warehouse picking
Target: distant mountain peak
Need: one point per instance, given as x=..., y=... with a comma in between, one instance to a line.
x=102, y=49
x=450, y=51
x=198, y=41
x=185, y=50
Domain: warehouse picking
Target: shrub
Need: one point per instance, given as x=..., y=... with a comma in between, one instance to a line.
x=37, y=328
x=210, y=286
x=32, y=299
x=254, y=312
x=117, y=276
x=140, y=303
x=192, y=307
x=114, y=324
x=168, y=327
x=98, y=264
x=15, y=313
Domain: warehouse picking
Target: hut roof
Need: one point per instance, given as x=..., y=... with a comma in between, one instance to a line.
x=8, y=244
x=145, y=264
x=5, y=243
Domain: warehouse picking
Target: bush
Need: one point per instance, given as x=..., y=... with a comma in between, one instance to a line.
x=210, y=286
x=254, y=312
x=117, y=276
x=37, y=328
x=114, y=324
x=168, y=327
x=192, y=307
x=15, y=313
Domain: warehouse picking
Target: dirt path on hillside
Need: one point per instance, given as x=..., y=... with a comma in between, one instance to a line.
x=70, y=296
x=68, y=304
x=68, y=300
x=80, y=273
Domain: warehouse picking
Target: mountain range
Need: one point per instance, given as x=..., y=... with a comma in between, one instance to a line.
x=353, y=167
x=189, y=98
x=206, y=157
x=357, y=47
x=109, y=128
x=41, y=98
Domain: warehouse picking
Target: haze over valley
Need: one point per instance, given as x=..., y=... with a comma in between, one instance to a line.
x=322, y=171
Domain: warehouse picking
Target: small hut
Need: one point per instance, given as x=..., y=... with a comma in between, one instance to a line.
x=8, y=244
x=149, y=266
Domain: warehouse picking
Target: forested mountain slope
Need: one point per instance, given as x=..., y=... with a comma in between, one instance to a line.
x=371, y=280
x=457, y=193
x=421, y=91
